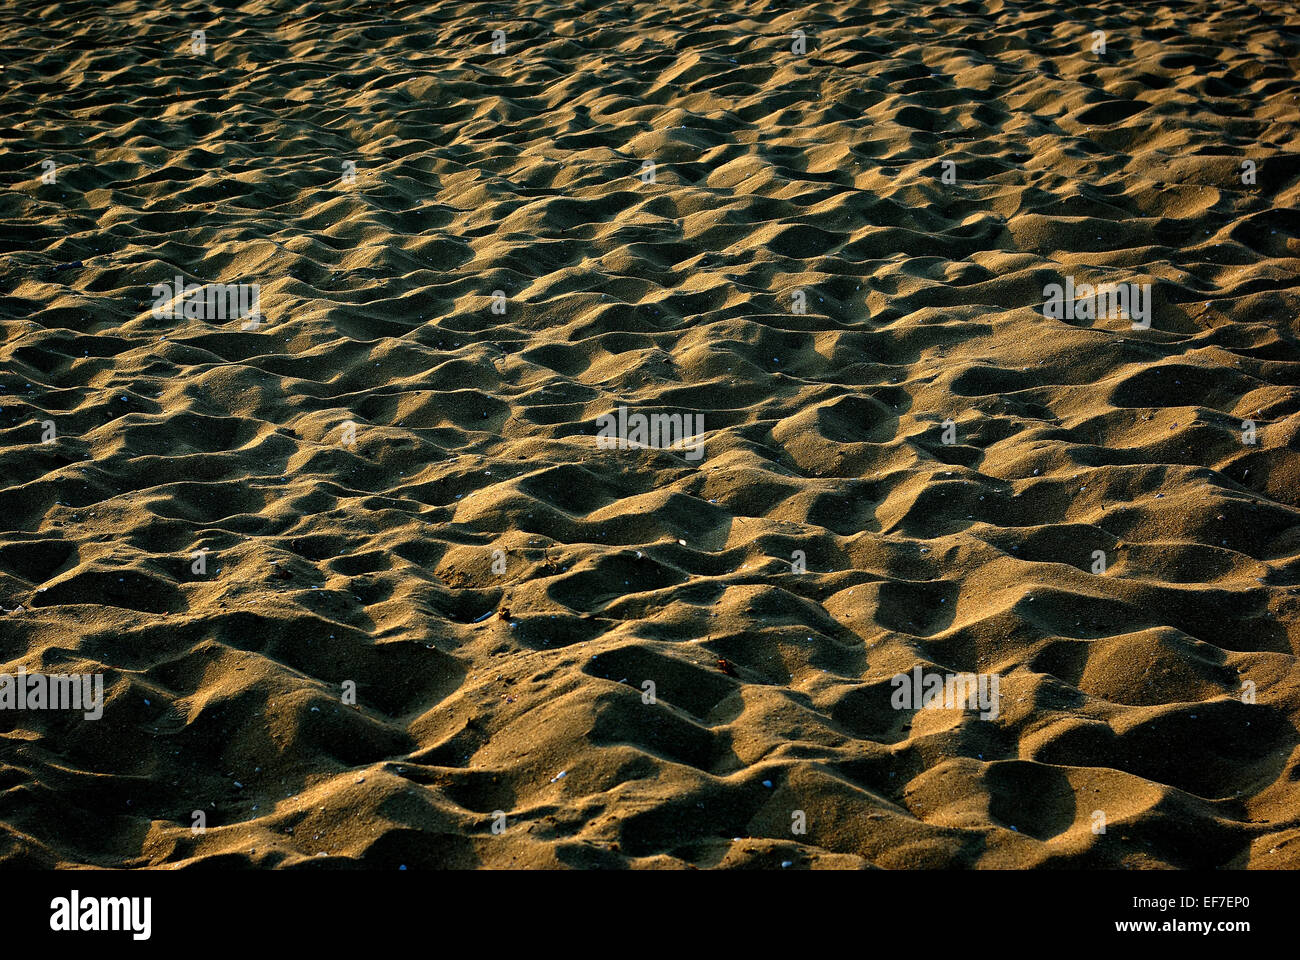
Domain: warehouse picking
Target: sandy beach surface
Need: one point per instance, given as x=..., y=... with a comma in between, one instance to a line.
x=334, y=335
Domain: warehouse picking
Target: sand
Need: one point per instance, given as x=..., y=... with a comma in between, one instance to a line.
x=361, y=584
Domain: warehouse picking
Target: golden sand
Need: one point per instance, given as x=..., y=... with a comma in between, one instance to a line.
x=361, y=582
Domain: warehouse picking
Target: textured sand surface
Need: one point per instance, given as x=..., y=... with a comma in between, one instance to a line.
x=331, y=562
